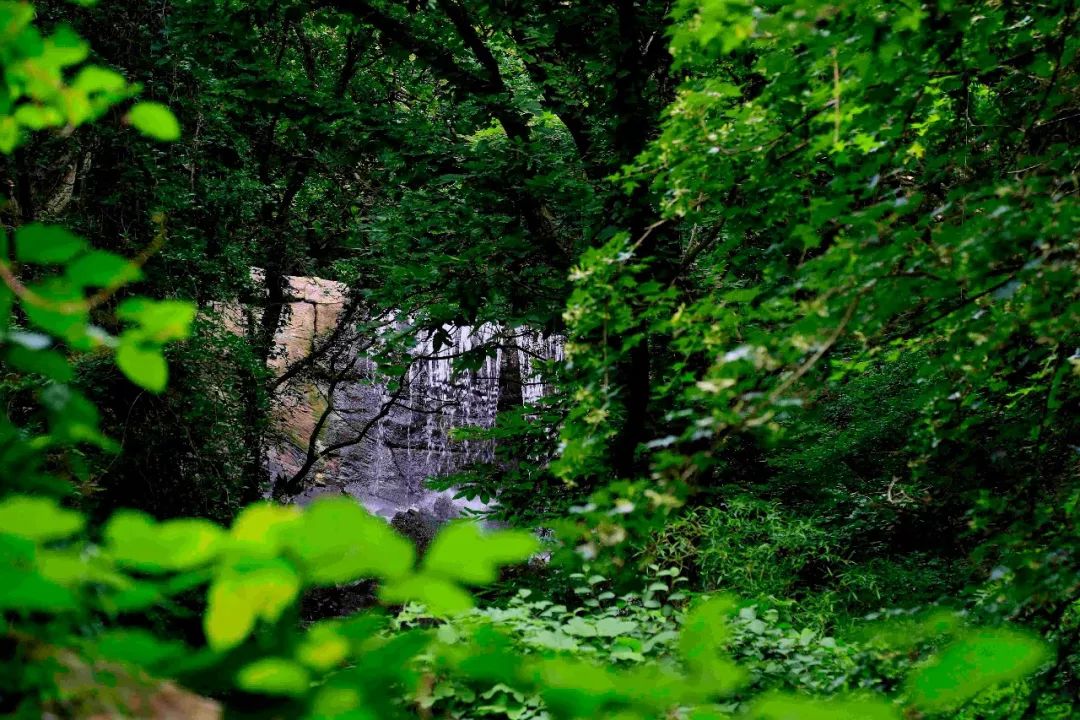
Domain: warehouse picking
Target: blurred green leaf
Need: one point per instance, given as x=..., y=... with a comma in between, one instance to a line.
x=977, y=661
x=102, y=269
x=154, y=120
x=339, y=541
x=27, y=591
x=138, y=647
x=94, y=78
x=239, y=597
x=790, y=707
x=322, y=648
x=134, y=539
x=461, y=551
x=159, y=321
x=263, y=529
x=146, y=367
x=37, y=518
x=274, y=676
x=48, y=363
x=46, y=244
x=440, y=596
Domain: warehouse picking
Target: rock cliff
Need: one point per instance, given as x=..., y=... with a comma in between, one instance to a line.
x=390, y=440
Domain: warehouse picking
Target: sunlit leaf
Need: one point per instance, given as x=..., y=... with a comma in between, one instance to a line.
x=94, y=78
x=239, y=597
x=159, y=321
x=274, y=676
x=339, y=541
x=461, y=551
x=262, y=529
x=136, y=540
x=154, y=120
x=322, y=648
x=229, y=617
x=146, y=367
x=37, y=518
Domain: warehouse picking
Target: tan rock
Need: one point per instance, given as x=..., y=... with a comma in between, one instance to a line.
x=295, y=338
x=316, y=290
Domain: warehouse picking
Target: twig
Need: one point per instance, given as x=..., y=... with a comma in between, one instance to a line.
x=805, y=367
x=30, y=297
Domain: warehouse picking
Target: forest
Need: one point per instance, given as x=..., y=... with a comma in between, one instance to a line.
x=554, y=360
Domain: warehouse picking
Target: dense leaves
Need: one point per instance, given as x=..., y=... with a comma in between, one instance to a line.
x=814, y=270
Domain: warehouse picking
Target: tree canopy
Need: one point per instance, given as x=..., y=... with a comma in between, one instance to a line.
x=809, y=447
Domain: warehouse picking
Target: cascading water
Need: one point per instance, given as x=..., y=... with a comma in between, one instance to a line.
x=409, y=437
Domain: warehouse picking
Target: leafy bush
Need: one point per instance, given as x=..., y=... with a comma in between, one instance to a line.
x=818, y=210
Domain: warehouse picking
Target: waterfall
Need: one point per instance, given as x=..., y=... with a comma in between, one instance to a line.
x=411, y=441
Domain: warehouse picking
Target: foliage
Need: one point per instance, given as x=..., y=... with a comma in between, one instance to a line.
x=196, y=426
x=866, y=314
x=254, y=573
x=815, y=264
x=777, y=661
x=519, y=477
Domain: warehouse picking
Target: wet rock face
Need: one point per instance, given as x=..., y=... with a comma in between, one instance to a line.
x=401, y=438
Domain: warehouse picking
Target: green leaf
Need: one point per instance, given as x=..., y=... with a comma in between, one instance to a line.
x=135, y=540
x=238, y=598
x=741, y=295
x=37, y=518
x=38, y=117
x=137, y=647
x=48, y=363
x=46, y=244
x=274, y=676
x=462, y=552
x=10, y=136
x=580, y=627
x=790, y=707
x=440, y=596
x=28, y=591
x=323, y=647
x=262, y=529
x=339, y=541
x=144, y=367
x=64, y=47
x=7, y=298
x=58, y=308
x=612, y=627
x=134, y=598
x=974, y=663
x=70, y=567
x=159, y=321
x=94, y=78
x=16, y=16
x=72, y=417
x=702, y=644
x=228, y=619
x=102, y=269
x=154, y=120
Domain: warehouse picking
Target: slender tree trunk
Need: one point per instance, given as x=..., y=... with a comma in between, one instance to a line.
x=635, y=121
